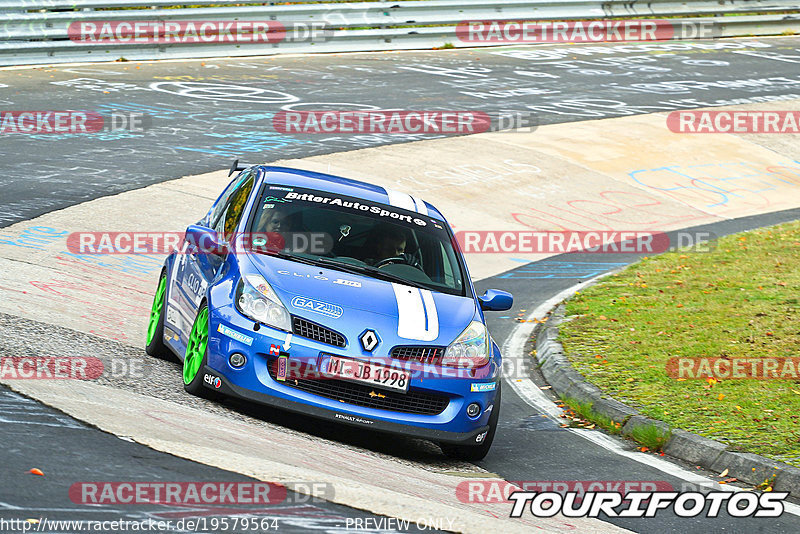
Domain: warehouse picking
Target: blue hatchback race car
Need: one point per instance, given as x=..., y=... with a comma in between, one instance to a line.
x=333, y=298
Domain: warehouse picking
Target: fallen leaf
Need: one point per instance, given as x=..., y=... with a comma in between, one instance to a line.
x=35, y=471
x=724, y=473
x=720, y=396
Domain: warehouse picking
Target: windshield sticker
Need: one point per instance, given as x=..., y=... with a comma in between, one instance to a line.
x=275, y=199
x=356, y=206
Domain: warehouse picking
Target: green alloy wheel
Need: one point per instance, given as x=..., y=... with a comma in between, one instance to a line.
x=155, y=327
x=196, y=353
x=155, y=311
x=196, y=348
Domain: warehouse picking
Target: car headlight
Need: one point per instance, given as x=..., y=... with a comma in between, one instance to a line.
x=470, y=349
x=256, y=299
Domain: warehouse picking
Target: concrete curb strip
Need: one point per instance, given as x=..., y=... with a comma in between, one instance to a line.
x=697, y=450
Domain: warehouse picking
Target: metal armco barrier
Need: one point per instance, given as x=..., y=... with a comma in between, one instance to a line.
x=44, y=31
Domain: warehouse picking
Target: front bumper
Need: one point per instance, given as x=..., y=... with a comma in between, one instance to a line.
x=254, y=383
x=232, y=390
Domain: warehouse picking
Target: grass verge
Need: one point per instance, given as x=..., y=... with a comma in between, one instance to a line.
x=739, y=301
x=651, y=436
x=583, y=410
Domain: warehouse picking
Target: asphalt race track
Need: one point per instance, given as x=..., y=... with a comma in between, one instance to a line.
x=36, y=434
x=202, y=114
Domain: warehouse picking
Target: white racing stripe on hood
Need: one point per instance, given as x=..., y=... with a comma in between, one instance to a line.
x=421, y=207
x=399, y=199
x=416, y=313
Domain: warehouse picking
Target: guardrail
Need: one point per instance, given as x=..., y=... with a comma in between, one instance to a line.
x=48, y=31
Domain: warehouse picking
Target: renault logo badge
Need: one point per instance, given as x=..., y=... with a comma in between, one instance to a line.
x=369, y=340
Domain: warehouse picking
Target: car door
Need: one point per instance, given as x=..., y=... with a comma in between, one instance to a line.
x=194, y=270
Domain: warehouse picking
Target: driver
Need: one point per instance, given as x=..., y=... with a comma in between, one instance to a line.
x=274, y=220
x=272, y=229
x=385, y=242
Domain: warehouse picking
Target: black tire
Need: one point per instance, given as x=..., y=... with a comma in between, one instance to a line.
x=473, y=453
x=157, y=348
x=195, y=386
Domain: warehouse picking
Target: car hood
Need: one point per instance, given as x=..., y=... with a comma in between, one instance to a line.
x=351, y=304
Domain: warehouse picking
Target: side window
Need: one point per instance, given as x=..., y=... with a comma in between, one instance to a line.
x=223, y=198
x=229, y=217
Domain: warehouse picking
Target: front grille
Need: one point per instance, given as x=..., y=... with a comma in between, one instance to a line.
x=418, y=354
x=305, y=328
x=348, y=392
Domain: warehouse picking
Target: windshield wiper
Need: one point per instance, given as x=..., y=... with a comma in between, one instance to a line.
x=369, y=271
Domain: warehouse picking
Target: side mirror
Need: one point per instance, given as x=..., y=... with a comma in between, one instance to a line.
x=205, y=239
x=496, y=300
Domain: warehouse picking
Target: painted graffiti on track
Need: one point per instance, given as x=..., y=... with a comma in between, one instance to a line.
x=204, y=111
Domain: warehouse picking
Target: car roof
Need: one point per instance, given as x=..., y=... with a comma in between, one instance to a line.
x=346, y=186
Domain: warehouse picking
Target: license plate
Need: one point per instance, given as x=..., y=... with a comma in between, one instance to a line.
x=366, y=373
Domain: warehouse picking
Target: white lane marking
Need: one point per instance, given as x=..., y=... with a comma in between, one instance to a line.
x=417, y=317
x=527, y=390
x=399, y=199
x=665, y=466
x=513, y=348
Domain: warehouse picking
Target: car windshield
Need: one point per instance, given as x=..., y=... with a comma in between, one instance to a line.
x=358, y=236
